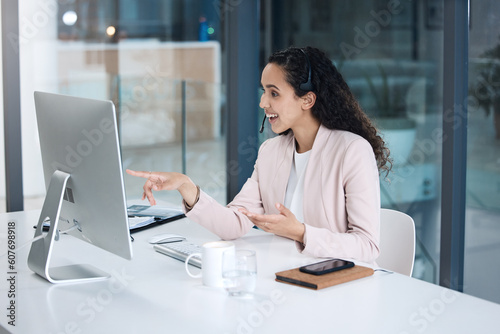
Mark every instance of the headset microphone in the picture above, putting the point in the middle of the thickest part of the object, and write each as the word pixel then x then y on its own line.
pixel 262 126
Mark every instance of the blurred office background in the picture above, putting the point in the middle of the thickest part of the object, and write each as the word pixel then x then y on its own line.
pixel 166 64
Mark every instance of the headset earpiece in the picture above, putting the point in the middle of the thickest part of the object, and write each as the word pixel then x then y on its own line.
pixel 307 86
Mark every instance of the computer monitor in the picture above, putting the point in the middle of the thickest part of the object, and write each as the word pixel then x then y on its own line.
pixel 84 180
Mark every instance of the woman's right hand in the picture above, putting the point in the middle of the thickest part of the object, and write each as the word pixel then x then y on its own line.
pixel 166 181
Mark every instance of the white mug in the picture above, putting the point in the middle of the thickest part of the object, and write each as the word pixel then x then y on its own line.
pixel 211 262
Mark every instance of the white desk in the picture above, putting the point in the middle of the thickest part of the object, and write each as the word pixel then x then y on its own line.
pixel 153 294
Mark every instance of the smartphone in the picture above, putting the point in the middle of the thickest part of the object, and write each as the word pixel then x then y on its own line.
pixel 327 266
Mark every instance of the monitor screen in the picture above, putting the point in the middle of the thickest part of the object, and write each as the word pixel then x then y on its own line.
pixel 84 179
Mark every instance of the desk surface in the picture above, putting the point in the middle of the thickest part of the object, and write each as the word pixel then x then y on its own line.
pixel 153 294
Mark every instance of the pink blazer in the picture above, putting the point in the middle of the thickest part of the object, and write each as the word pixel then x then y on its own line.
pixel 341 196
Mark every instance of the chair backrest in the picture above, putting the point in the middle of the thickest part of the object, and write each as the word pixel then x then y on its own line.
pixel 397 242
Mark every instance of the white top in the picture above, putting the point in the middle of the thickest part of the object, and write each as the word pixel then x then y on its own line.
pixel 294 197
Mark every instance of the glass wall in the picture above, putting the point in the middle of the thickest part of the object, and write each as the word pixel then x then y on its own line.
pixel 390 53
pixel 159 61
pixel 482 229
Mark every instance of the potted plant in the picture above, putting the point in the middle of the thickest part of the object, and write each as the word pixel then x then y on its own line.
pixel 390 113
pixel 486 86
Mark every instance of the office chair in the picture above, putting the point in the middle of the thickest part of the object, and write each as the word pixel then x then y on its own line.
pixel 397 242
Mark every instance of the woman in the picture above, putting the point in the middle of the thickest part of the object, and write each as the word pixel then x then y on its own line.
pixel 317 183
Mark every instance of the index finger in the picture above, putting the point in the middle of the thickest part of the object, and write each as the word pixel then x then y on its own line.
pixel 143 174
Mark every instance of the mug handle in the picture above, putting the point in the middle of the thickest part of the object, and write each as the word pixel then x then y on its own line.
pixel 186 264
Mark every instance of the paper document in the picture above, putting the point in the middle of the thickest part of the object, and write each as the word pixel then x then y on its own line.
pixel 136 222
pixel 159 212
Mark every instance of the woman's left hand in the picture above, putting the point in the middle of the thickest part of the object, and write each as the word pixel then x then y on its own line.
pixel 283 224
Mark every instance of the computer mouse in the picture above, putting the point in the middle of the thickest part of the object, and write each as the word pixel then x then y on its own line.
pixel 165 238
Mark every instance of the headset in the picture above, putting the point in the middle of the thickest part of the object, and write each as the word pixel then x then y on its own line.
pixel 305 86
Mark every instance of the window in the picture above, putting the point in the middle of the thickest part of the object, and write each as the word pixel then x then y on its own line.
pixel 159 61
pixel 482 225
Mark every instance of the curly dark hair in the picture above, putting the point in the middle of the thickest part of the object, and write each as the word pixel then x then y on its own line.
pixel 335 107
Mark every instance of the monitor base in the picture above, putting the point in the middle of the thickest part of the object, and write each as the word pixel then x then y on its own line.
pixel 76 273
pixel 41 249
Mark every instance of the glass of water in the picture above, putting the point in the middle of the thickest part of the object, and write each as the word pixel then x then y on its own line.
pixel 239 272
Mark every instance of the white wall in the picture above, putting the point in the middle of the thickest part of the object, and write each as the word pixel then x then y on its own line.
pixel 38 66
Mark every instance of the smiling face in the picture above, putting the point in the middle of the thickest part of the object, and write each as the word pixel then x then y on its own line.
pixel 284 109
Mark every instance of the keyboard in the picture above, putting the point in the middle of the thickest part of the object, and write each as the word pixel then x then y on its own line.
pixel 180 251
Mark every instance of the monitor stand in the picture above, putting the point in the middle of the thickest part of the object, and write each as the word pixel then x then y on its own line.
pixel 41 249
